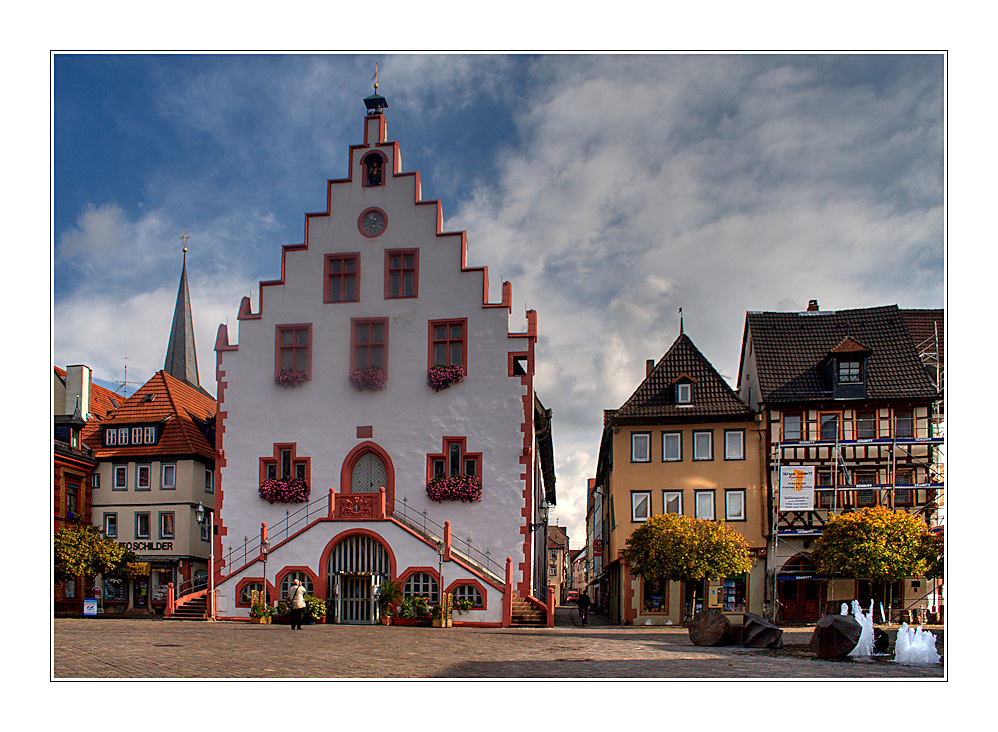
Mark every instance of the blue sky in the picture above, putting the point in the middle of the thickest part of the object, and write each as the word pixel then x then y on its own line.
pixel 611 190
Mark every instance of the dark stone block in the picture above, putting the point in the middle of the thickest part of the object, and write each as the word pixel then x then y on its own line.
pixel 757 632
pixel 881 641
pixel 711 628
pixel 835 636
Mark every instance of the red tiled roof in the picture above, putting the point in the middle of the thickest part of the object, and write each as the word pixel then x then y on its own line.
pixel 102 400
pixel 176 404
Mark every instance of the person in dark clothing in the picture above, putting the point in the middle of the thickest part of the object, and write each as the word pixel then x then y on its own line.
pixel 583 607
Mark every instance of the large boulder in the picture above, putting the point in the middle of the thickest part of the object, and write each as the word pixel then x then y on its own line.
pixel 757 632
pixel 711 628
pixel 835 636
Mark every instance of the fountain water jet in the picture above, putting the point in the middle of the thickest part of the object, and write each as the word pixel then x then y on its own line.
pixel 915 646
pixel 864 646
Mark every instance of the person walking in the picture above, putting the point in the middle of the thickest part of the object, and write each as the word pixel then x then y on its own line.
pixel 583 604
pixel 297 601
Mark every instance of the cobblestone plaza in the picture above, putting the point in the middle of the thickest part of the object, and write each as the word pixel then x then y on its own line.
pixel 92 648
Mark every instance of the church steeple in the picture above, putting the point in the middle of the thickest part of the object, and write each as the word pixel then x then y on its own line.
pixel 181 357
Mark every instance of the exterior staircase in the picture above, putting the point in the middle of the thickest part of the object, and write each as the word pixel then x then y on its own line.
pixel 196 609
pixel 527 615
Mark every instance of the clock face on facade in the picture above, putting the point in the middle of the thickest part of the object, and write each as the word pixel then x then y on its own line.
pixel 372 222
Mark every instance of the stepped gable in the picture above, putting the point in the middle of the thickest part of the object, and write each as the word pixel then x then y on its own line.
pixel 186 412
pixel 790 347
pixel 655 397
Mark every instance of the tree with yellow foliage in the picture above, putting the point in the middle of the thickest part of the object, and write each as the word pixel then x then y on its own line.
pixel 875 543
pixel 675 547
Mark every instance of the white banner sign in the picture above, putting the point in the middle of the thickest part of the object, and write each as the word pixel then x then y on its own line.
pixel 797 488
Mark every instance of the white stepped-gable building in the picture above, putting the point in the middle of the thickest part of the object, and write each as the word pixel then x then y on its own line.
pixel 328 385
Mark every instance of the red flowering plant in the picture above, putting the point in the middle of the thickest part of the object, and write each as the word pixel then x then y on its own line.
pixel 454 488
pixel 292 490
pixel 441 376
pixel 290 377
pixel 372 378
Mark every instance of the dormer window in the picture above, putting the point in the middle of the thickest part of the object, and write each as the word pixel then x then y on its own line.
pixel 850 372
pixel 684 393
pixel 374 166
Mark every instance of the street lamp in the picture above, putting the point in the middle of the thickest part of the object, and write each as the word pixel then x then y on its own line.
pixel 440 572
pixel 543 512
pixel 199 515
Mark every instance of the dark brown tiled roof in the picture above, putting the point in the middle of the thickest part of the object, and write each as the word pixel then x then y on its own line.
pixel 655 397
pixel 789 349
pixel 176 404
pixel 925 326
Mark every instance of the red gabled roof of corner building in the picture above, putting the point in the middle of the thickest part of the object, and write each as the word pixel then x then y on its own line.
pixel 102 400
pixel 176 404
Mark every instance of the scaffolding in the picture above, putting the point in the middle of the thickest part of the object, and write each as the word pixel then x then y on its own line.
pixel 847 471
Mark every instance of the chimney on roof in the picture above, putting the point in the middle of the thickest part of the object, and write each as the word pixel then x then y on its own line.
pixel 812 306
pixel 78 387
pixel 649 367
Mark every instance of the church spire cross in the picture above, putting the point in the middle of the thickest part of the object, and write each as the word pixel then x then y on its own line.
pixel 181 355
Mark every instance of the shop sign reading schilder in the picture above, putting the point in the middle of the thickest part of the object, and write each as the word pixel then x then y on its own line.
pixel 148 546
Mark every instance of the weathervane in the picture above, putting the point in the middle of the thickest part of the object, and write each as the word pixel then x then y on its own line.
pixel 680 321
pixel 185 239
pixel 375 78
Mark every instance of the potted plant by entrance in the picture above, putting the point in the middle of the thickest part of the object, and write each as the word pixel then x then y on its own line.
pixel 391 593
pixel 261 613
pixel 405 615
pixel 315 610
pixel 421 609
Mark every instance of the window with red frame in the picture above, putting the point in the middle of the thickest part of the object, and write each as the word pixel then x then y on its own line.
pixel 342 278
pixel 448 342
pixel 401 276
pixel 370 344
pixel 285 464
pixel 455 461
pixel 294 348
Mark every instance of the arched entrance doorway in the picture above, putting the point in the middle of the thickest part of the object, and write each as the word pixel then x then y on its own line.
pixel 369 473
pixel 801 594
pixel 355 570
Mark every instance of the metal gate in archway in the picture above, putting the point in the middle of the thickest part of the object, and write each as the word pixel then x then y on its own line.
pixel 356 568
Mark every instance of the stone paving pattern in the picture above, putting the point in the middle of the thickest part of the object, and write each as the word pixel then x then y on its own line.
pixel 103 648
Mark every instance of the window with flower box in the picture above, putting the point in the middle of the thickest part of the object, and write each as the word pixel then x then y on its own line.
pixel 454 473
pixel 369 343
pixel 293 349
pixel 342 278
pixel 401 273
